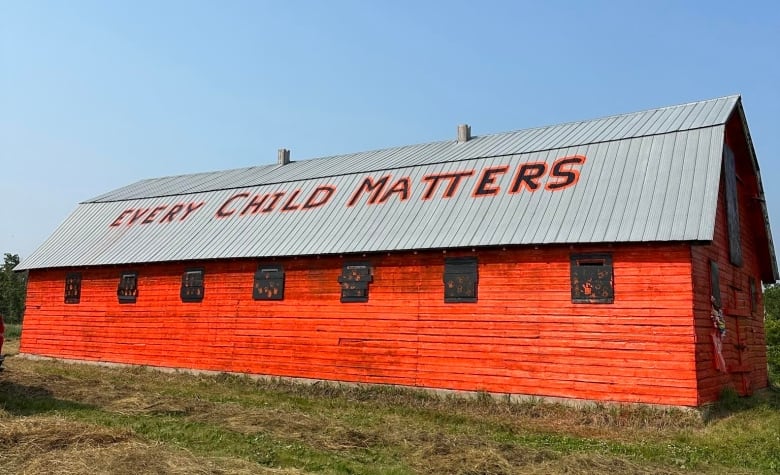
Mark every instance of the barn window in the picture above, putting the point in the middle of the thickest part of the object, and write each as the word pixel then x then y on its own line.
pixel 715 284
pixel 753 295
pixel 127 292
pixel 354 280
pixel 72 287
pixel 460 279
pixel 269 283
pixel 592 278
pixel 192 285
pixel 732 207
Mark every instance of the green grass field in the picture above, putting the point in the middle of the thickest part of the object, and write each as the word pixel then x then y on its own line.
pixel 72 418
pixel 13 331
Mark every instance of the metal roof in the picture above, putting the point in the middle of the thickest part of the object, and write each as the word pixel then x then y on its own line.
pixel 639 124
pixel 646 176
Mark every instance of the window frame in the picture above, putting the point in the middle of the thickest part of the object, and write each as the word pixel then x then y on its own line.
pixel 73 288
pixel 753 294
pixel 272 275
pixel 454 267
pixel 586 266
pixel 127 293
pixel 185 293
pixel 351 281
pixel 731 196
pixel 715 284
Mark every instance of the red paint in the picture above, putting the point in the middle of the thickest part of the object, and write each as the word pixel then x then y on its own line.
pixel 274 201
pixel 320 196
pixel 486 184
pixel 523 336
pixel 744 326
pixel 368 185
pixel 168 218
pixel 118 220
pixel 291 205
pixel 528 176
pixel 191 208
pixel 139 213
pixel 153 215
pixel 565 172
pixel 255 205
pixel 454 179
pixel 225 210
pixel 402 187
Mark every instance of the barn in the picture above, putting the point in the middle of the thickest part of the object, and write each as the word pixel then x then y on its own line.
pixel 617 259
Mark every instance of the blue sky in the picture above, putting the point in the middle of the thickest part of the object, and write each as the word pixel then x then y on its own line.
pixel 96 95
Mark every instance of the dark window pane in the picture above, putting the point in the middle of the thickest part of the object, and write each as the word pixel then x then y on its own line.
pixel 753 295
pixel 732 207
pixel 127 292
pixel 192 285
pixel 73 287
pixel 715 284
pixel 460 279
pixel 354 280
pixel 269 283
pixel 592 278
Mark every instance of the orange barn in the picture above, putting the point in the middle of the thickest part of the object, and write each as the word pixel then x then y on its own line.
pixel 618 259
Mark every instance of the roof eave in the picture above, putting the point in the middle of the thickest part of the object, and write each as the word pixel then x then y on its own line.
pixel 772 276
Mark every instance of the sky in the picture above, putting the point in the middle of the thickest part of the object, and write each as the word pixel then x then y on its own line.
pixel 98 95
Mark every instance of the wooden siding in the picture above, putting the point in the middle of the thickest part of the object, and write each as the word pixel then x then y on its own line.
pixel 523 336
pixel 747 367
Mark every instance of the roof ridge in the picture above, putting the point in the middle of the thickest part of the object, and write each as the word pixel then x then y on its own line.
pixel 135 189
pixel 614 116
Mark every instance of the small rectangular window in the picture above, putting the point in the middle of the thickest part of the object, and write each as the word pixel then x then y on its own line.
pixel 715 284
pixel 269 283
pixel 753 295
pixel 354 280
pixel 192 285
pixel 592 278
pixel 460 279
pixel 73 287
pixel 732 207
pixel 127 291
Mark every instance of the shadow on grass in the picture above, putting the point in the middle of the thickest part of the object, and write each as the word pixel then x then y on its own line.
pixel 730 403
pixel 24 400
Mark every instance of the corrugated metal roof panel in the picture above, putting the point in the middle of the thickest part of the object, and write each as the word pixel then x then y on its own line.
pixel 660 185
pixel 653 122
pixel 614 200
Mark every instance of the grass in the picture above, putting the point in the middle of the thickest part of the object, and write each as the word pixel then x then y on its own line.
pixel 773 355
pixel 55 416
pixel 13 331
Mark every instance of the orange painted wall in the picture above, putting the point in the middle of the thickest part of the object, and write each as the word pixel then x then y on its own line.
pixel 745 325
pixel 523 336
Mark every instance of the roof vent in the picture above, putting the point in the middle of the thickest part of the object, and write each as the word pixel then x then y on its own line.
pixel 283 158
pixel 464 133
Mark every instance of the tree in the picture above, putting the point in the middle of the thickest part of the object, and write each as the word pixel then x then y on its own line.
pixel 772 328
pixel 13 286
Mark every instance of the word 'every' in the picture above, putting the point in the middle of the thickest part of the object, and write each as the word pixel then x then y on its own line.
pixel 372 190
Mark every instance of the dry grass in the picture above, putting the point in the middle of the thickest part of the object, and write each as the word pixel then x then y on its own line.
pixel 56 445
pixel 11 347
pixel 72 418
pixel 53 444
